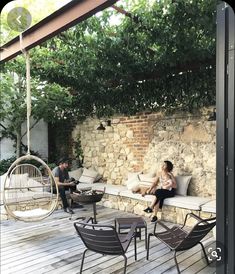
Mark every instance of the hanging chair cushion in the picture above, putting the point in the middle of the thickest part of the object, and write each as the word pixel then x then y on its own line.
pixel 31 213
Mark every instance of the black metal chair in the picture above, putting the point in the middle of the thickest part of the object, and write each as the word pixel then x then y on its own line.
pixel 178 239
pixel 104 239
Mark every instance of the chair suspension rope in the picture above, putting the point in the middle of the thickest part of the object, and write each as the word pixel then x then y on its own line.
pixel 28 90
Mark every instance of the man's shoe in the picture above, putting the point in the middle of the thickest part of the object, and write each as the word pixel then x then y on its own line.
pixel 154 219
pixel 68 210
pixel 148 210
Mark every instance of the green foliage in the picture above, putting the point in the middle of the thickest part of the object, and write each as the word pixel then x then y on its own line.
pixel 162 58
pixel 159 57
pixel 50 101
pixel 5 164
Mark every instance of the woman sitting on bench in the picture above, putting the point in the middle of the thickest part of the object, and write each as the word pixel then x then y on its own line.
pixel 167 189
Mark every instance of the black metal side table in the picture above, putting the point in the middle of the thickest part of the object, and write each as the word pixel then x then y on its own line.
pixel 126 223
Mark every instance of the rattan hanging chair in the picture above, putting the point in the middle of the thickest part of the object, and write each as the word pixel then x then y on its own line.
pixel 27 196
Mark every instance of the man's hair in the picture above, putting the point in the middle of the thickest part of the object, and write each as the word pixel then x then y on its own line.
pixel 63 160
pixel 169 165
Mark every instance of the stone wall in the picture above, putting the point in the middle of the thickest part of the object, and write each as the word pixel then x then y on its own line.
pixel 144 141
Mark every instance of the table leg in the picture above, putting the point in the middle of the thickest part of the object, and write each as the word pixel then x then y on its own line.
pixel 135 247
pixel 94 211
pixel 146 237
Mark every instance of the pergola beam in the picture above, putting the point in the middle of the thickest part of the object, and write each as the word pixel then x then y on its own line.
pixel 64 18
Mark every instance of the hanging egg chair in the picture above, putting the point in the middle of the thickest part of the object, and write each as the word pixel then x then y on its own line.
pixel 27 195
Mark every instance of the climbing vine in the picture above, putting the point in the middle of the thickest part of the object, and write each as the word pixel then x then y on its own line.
pixel 160 56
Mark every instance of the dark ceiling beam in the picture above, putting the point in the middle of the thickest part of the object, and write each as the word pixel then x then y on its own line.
pixel 64 18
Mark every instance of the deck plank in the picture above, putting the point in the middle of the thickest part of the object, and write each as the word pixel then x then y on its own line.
pixel 52 246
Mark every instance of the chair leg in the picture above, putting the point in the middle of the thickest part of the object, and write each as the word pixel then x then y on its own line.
pixel 145 237
pixel 83 257
pixel 140 233
pixel 203 249
pixel 125 263
pixel 148 243
pixel 176 263
pixel 135 247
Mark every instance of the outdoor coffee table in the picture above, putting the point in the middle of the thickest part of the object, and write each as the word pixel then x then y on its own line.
pixel 126 223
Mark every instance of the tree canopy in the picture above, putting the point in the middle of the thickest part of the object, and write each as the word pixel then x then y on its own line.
pixel 160 55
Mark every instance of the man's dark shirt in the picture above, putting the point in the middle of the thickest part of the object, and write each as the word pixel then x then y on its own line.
pixel 62 174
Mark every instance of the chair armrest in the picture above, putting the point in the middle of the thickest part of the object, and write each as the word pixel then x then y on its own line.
pixel 84 221
pixel 191 215
pixel 197 218
pixel 130 233
pixel 161 224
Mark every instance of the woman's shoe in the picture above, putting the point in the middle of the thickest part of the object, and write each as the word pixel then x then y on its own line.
pixel 154 219
pixel 148 210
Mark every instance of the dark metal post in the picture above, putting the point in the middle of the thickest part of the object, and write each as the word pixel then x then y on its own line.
pixel 95 213
pixel 225 136
pixel 231 147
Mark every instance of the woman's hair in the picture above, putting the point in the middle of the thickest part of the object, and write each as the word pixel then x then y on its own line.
pixel 169 166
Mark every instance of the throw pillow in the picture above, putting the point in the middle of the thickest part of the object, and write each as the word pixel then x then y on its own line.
pixel 76 174
pixel 133 180
pixel 88 176
pixel 182 184
pixel 131 175
pixel 146 179
pixel 98 178
pixel 35 186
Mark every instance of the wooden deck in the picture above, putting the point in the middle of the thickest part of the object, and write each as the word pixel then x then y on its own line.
pixel 52 246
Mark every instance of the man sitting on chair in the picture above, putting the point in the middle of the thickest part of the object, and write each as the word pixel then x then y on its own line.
pixel 64 183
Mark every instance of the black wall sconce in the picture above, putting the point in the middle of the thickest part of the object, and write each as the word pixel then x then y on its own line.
pixel 212 117
pixel 101 127
pixel 103 124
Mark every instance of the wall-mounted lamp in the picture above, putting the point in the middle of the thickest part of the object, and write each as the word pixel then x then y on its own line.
pixel 103 124
pixel 212 117
pixel 101 127
pixel 108 123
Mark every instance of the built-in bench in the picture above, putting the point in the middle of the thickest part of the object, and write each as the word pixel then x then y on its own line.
pixel 175 208
pixel 121 196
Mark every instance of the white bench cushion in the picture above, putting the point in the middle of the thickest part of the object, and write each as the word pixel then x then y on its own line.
pixel 109 189
pixel 136 196
pixel 188 202
pixel 209 207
